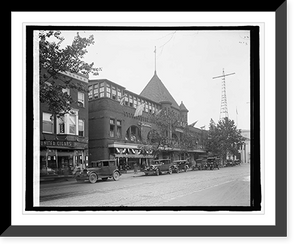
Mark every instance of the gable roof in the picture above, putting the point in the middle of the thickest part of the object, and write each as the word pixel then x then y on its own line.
pixel 156 91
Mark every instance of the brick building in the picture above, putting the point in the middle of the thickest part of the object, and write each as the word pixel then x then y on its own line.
pixel 64 140
pixel 115 132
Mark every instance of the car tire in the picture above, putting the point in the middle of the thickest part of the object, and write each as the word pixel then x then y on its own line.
pixel 157 172
pixel 116 175
pixel 93 178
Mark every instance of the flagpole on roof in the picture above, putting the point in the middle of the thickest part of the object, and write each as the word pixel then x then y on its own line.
pixel 155 59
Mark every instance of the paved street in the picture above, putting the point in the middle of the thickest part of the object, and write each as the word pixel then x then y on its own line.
pixel 225 187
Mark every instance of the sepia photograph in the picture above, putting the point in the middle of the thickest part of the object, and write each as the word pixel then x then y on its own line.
pixel 144 117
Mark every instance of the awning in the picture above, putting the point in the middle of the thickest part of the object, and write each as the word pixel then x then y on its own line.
pixel 122 145
pixel 134 156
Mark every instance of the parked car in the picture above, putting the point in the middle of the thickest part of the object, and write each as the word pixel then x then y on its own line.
pixel 180 165
pixel 213 162
pixel 159 167
pixel 102 169
pixel 201 164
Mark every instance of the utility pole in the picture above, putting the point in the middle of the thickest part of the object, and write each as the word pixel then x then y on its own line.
pixel 223 110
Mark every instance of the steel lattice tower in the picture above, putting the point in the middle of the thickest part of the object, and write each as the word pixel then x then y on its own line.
pixel 223 109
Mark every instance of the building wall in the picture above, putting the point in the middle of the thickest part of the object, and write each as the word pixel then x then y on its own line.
pixel 104 109
pixel 63 152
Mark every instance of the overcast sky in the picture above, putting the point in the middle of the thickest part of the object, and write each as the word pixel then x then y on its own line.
pixel 186 62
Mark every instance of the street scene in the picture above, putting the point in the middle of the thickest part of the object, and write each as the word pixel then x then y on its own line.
pixel 142 118
pixel 228 186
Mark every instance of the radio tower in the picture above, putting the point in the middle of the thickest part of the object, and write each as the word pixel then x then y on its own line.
pixel 223 110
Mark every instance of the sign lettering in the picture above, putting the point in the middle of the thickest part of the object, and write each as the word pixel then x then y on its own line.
pixel 58 143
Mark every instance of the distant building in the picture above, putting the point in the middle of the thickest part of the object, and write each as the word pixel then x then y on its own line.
pixel 114 131
pixel 64 140
pixel 245 149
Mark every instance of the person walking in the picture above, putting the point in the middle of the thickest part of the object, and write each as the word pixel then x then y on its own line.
pixel 135 167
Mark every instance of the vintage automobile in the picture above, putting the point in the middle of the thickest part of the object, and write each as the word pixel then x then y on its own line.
pixel 213 162
pixel 201 164
pixel 180 165
pixel 102 169
pixel 159 167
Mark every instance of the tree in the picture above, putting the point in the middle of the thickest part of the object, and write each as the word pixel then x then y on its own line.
pixel 54 59
pixel 224 138
pixel 161 135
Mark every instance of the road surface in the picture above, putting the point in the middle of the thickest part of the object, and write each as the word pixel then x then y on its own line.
pixel 228 186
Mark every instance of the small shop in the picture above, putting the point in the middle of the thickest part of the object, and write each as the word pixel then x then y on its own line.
pixel 129 156
pixel 62 158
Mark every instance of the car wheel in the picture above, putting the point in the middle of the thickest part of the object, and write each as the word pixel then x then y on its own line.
pixel 157 172
pixel 93 178
pixel 170 171
pixel 116 175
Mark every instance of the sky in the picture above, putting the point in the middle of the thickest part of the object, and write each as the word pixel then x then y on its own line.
pixel 186 62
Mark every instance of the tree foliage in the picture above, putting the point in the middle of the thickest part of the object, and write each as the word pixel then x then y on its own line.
pixel 224 138
pixel 54 59
pixel 163 134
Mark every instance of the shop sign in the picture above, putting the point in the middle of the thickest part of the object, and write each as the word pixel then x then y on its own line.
pixel 58 143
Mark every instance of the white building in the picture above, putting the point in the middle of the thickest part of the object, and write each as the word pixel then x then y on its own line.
pixel 245 151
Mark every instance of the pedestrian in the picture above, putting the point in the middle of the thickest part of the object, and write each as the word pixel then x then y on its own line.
pixel 135 168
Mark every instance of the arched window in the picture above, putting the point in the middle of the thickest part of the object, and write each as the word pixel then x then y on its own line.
pixel 133 134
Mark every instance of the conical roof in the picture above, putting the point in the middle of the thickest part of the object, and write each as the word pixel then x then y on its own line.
pixel 156 91
pixel 182 107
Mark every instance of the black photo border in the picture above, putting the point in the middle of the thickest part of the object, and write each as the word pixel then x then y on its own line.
pixel 280 227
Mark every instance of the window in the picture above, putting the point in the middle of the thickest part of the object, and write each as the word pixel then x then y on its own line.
pixel 138 101
pixel 146 107
pixel 119 129
pixel 90 92
pixel 130 101
pixel 126 99
pixel 48 123
pixel 134 102
pixel 113 92
pixel 102 89
pixel 80 127
pixel 61 125
pixel 66 90
pixel 96 90
pixel 119 94
pixel 107 90
pixel 112 128
pixel 80 99
pixel 68 124
pixel 72 124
